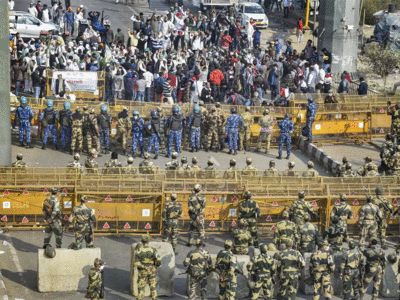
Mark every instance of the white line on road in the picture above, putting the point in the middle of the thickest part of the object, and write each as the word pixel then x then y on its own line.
pixel 14 254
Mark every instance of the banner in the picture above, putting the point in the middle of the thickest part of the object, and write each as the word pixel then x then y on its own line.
pixel 76 81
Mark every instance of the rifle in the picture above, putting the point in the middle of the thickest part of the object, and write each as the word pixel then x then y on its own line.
pixel 362 274
pixel 156 132
pixel 102 293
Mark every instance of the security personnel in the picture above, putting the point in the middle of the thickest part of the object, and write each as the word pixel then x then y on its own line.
pixel 175 125
pixel 85 125
pixel 262 270
pixel 321 267
pixel 342 211
pixel 342 168
pixel 146 166
pixel 290 262
pixel 104 121
pixel 265 123
pixel 24 116
pixel 226 267
pixel 374 269
pixel 309 236
pixel 386 209
pixel 350 271
pixel 300 208
pixel 368 218
pixel 75 166
pixel 272 171
pixel 95 282
pixel 198 264
pixel 129 168
pixel 310 115
pixel 48 119
pixel 368 166
pixel 242 238
pixel 234 123
pixel 250 211
pixel 92 133
pixel 124 125
pixel 210 170
pixel 138 126
pixel 286 127
pixel 174 163
pixel 290 171
pixel 335 235
pixel 245 132
pixel 213 123
pixel 249 170
pixel 394 111
pixel 285 230
pixel 19 164
pixel 230 173
pixel 113 166
pixel 91 164
pixel 197 206
pixel 194 166
pixel 311 172
pixel 63 118
pixel 171 214
pixel 52 217
pixel 349 172
pixel 154 130
pixel 76 122
pixel 83 218
pixel 147 261
pixel 196 120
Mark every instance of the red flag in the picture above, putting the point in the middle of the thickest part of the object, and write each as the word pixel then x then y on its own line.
pixel 106 226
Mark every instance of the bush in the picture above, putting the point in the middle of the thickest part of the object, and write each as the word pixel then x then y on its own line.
pixel 373 6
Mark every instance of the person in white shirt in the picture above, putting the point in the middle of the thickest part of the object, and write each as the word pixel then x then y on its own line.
pixel 11 4
pixel 320 80
pixel 250 32
pixel 45 14
pixel 167 27
pixel 148 76
pixel 32 10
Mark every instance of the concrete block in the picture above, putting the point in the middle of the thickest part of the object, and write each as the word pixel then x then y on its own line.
pixel 305 273
pixel 389 286
pixel 337 284
pixel 165 273
pixel 67 271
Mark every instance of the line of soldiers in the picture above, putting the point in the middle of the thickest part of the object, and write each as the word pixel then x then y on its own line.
pixel 369 169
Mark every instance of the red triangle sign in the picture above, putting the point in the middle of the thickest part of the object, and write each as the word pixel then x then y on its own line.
pixel 65 191
pixel 269 219
pixel 233 223
pixel 6 192
pixel 314 204
pixel 381 131
pixel 381 110
pixel 356 202
pixel 25 220
pixel 275 203
pixel 214 199
pixel 148 226
pixel 212 224
pixel 234 199
pixel 26 192
pixel 337 202
pixel 66 218
pixel 108 198
pixel 275 122
pixel 395 202
pixel 273 228
pixel 45 191
pixel 273 140
pixel 4 219
pixel 129 199
pixel 127 226
pixel 106 226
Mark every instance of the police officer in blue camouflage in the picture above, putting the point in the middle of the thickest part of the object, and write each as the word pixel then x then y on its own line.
pixel 24 116
pixel 154 127
pixel 311 111
pixel 175 125
pixel 48 119
pixel 196 120
pixel 138 126
pixel 65 125
pixel 233 123
pixel 286 126
pixel 104 123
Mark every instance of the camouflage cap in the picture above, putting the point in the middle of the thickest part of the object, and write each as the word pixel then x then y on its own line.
pixel 174 154
pixel 291 164
pixel 232 162
pixel 367 158
pixel 352 244
pixel 249 160
pixel 145 238
pixel 247 108
pixel 285 214
pixel 345 160
pixel 263 248
pixel 392 258
pixel 130 159
pixel 343 197
pixel 210 161
pixel 173 196
pixel 228 243
pixel 197 187
pixel 272 163
pixel 146 155
pixel 369 198
pixel 194 160
pixel 302 194
pixel 125 108
pixel 85 107
pixel 247 194
pixel 84 198
pixel 93 152
pixel 310 164
pixel 92 111
pixel 19 156
pixel 54 191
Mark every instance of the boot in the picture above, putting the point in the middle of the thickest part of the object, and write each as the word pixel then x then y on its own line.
pixel 156 156
pixel 21 144
pixel 235 153
pixel 125 152
pixel 107 151
pixel 221 147
pixel 230 151
pixel 133 154
pixel 44 147
pixel 207 150
pixel 279 157
pixel 71 152
pixel 197 149
pixel 216 149
pixel 288 156
pixel 210 148
pixel 189 244
pixel 192 150
pixel 266 151
pixel 63 149
pixel 55 147
pixel 29 146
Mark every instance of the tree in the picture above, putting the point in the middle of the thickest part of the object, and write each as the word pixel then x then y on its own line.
pixel 382 60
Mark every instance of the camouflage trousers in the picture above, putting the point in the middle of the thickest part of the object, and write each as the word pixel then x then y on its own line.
pixel 76 136
pixel 171 230
pixel 252 228
pixel 263 136
pixel 244 134
pixel 227 287
pixel 212 138
pixel 197 225
pixel 83 232
pixel 94 294
pixel 368 229
pixel 241 250
pixel 55 227
pixel 351 281
pixel 382 231
pixel 264 282
pixel 288 285
pixel 146 275
pixel 194 282
pixel 90 138
pixel 122 133
pixel 322 279
pixel 375 275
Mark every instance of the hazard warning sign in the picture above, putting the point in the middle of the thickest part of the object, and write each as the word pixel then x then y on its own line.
pixel 66 217
pixel 64 191
pixel 314 204
pixel 127 226
pixel 214 199
pixel 129 199
pixel 106 226
pixel 212 224
pixel 45 191
pixel 273 228
pixel 6 192
pixel 395 202
pixel 234 199
pixel 25 220
pixel 381 131
pixel 273 140
pixel 233 223
pixel 108 199
pixel 269 219
pixel 275 203
pixel 337 202
pixel 356 202
pixel 148 226
pixel 4 219
pixel 26 192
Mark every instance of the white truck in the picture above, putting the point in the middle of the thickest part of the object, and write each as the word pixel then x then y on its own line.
pixel 218 4
pixel 250 10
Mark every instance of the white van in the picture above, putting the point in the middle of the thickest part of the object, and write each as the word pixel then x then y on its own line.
pixel 250 10
pixel 29 26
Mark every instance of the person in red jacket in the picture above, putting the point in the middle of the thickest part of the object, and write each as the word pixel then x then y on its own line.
pixel 226 41
pixel 216 77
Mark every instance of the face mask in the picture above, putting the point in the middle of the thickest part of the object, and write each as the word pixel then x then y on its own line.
pixel 330 95
pixel 136 117
pixel 101 268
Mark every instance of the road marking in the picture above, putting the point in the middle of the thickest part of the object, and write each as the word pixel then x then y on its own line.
pixel 3 286
pixel 14 255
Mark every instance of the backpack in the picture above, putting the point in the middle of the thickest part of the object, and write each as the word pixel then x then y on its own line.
pixel 159 86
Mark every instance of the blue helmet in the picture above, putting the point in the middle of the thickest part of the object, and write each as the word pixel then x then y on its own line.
pixel 49 103
pixel 154 113
pixel 67 105
pixel 196 109
pixel 233 110
pixel 176 110
pixel 103 107
pixel 10 37
pixel 310 99
pixel 23 100
pixel 135 112
pixel 286 116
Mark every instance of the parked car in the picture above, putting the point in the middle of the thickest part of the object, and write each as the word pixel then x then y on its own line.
pixel 250 10
pixel 29 26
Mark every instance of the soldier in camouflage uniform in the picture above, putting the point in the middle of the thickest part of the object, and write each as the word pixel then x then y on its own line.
pixel 342 211
pixel 290 263
pixel 290 171
pixel 321 267
pixel 124 125
pixel 250 211
pixel 262 271
pixel 335 235
pixel 171 214
pixel 198 264
pixel 386 209
pixel 342 168
pixel 75 166
pixel 300 209
pixel 174 163
pixel 265 123
pixel 395 162
pixel 311 172
pixel 285 230
pixel 249 170
pixel 368 216
pixel 91 164
pixel 371 171
pixel 195 167
pixel 386 155
pixel 366 169
pixel 129 169
pixel 197 206
pixel 210 171
pixel 230 173
pixel 147 261
pixel 146 166
pixel 95 281
pixel 245 132
pixel 349 172
pixel 374 269
pixel 52 217
pixel 113 166
pixel 20 165
pixel 350 271
pixel 226 267
pixel 76 122
pixel 92 134
pixel 241 238
pixel 309 237
pixel 82 218
pixel 213 122
pixel 272 171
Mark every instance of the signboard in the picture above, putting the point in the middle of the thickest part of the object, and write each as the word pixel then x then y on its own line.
pixel 76 81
